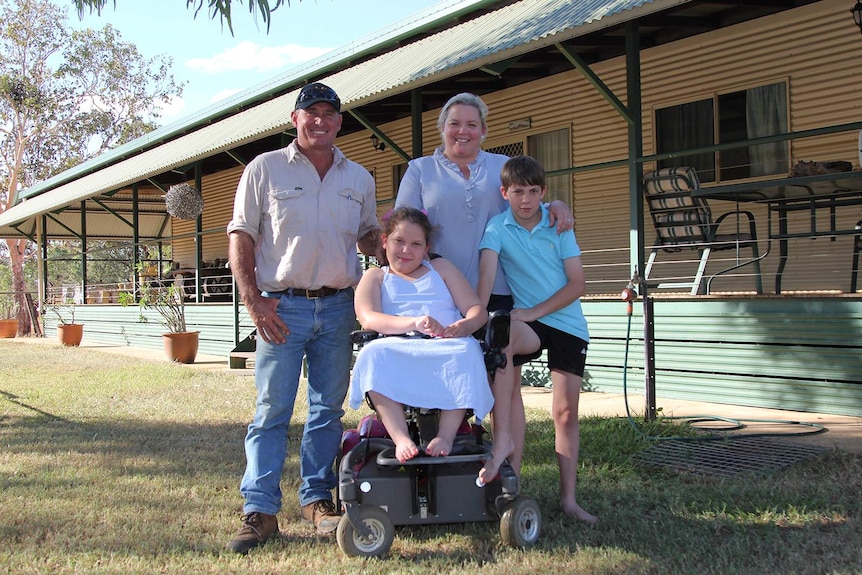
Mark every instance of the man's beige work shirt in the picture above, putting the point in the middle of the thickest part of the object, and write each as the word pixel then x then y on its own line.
pixel 305 230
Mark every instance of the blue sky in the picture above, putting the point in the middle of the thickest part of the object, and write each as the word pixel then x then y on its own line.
pixel 216 65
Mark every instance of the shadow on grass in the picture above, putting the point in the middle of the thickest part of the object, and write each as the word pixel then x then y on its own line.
pixel 124 486
pixel 152 488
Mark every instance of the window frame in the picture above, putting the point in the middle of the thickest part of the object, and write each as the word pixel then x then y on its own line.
pixel 716 125
pixel 523 139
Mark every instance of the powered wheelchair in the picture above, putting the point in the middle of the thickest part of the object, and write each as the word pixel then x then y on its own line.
pixel 377 492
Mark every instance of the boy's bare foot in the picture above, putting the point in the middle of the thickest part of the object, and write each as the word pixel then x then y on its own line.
pixel 438 447
pixel 572 509
pixel 501 451
pixel 405 450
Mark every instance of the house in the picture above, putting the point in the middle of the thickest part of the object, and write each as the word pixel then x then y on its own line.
pixel 563 80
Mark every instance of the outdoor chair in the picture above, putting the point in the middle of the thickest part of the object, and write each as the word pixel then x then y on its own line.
pixel 683 222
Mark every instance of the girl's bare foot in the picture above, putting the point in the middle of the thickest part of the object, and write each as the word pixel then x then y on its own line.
pixel 438 447
pixel 572 509
pixel 405 450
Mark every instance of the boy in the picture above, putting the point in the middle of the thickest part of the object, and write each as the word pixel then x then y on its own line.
pixel 546 277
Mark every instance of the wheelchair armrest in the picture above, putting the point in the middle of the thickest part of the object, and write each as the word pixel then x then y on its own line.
pixel 363 336
pixel 497 332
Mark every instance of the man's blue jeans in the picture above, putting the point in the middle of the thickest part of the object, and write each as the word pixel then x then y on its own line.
pixel 320 331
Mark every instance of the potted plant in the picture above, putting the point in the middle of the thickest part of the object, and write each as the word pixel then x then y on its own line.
pixel 8 315
pixel 181 345
pixel 68 332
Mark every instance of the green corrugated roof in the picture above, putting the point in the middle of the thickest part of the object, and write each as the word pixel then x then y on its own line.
pixel 513 29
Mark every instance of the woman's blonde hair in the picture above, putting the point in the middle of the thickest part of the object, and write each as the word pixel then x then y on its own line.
pixel 465 99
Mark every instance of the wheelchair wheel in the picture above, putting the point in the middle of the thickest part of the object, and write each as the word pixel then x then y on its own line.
pixel 382 529
pixel 521 523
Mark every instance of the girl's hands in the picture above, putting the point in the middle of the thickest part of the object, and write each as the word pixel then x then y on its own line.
pixel 458 329
pixel 429 326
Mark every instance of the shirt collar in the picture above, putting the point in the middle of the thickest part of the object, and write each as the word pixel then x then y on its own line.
pixel 438 154
pixel 292 151
pixel 509 218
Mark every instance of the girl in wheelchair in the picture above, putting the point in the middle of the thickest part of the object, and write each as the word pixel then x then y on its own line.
pixel 436 364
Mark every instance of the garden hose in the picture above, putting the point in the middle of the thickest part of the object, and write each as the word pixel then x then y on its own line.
pixel 629 295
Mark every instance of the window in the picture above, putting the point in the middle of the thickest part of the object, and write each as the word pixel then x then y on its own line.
pixel 513 149
pixel 553 150
pixel 398 171
pixel 737 117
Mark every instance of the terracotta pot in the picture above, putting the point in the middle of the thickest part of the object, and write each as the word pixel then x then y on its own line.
pixel 70 334
pixel 8 327
pixel 181 347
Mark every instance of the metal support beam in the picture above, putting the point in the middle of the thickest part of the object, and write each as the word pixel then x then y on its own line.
pixel 392 145
pixel 43 258
pixel 199 248
pixel 416 122
pixel 593 79
pixel 62 225
pixel 112 211
pixel 236 157
pixel 84 250
pixel 136 249
pixel 636 206
pixel 157 185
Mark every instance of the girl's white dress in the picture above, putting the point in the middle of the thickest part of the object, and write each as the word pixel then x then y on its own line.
pixel 443 373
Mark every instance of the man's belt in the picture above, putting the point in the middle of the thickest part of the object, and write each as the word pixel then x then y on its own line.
pixel 310 293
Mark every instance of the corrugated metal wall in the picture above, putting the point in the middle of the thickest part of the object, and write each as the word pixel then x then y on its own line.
pixel 218 191
pixel 813 47
pixel 796 354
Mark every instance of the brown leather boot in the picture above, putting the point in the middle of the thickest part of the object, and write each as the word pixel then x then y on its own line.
pixel 257 528
pixel 322 514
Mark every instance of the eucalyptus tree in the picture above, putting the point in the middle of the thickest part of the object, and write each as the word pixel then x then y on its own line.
pixel 220 8
pixel 66 96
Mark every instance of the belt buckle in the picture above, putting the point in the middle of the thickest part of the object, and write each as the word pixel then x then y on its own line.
pixel 312 294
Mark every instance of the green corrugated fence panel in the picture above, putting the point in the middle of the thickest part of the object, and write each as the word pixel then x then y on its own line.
pixel 118 325
pixel 783 352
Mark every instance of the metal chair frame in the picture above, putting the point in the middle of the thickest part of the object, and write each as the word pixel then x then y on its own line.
pixel 683 222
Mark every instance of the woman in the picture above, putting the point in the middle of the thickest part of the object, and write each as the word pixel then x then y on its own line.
pixel 458 186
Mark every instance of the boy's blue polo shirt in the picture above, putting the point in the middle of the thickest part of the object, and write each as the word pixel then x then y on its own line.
pixel 533 263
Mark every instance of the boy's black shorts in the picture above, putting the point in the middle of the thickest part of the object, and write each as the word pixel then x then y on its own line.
pixel 566 352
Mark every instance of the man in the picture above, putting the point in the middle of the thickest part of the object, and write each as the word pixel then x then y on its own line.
pixel 299 214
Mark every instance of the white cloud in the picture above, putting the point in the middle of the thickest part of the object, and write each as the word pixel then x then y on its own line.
pixel 251 56
pixel 172 110
pixel 223 94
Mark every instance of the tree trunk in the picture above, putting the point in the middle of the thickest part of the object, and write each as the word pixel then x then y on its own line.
pixel 16 259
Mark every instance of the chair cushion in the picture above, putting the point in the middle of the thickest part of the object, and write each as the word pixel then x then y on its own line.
pixel 678 217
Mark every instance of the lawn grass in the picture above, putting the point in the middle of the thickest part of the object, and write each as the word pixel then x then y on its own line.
pixel 110 464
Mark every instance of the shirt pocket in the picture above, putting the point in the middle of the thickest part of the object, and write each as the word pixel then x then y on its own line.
pixel 286 211
pixel 349 211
